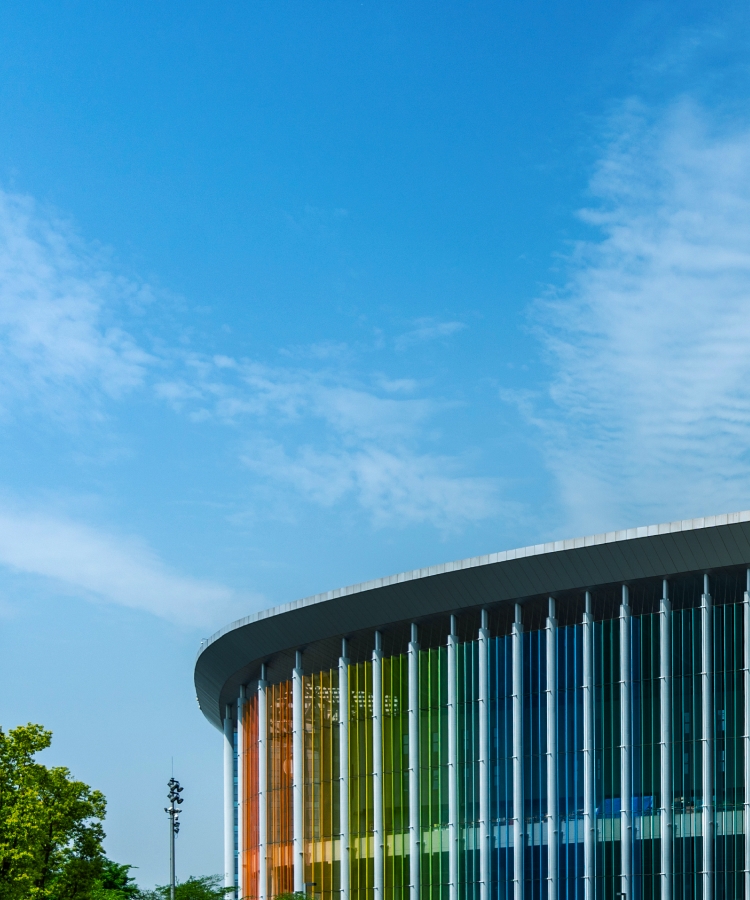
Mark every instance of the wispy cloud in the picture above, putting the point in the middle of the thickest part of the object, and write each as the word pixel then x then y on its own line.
pixel 319 426
pixel 650 401
pixel 112 570
pixel 332 439
pixel 396 488
pixel 61 345
pixel 427 330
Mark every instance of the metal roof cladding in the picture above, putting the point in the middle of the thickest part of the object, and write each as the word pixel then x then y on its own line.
pixel 234 654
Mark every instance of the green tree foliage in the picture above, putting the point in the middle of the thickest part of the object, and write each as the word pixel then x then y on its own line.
pixel 207 888
pixel 50 825
pixel 115 883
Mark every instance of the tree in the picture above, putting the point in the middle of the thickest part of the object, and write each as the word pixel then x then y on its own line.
pixel 50 825
pixel 209 887
pixel 115 883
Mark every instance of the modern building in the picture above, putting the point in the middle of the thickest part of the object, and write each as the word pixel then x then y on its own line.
pixel 569 720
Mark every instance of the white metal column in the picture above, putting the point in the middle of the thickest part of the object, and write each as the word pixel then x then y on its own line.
pixel 519 823
pixel 228 798
pixel 665 739
pixel 452 762
pixel 344 769
pixel 626 751
pixel 241 790
pixel 377 768
pixel 262 785
pixel 552 799
pixel 297 776
pixel 415 836
pixel 589 825
pixel 707 727
pixel 746 673
pixel 484 758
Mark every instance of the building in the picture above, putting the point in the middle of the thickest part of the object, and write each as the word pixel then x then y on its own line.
pixel 563 721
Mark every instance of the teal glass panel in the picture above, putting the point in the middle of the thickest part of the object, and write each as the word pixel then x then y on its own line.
pixel 570 760
pixel 501 766
pixel 468 770
pixel 607 771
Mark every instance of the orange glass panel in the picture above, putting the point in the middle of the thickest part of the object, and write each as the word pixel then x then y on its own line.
pixel 250 859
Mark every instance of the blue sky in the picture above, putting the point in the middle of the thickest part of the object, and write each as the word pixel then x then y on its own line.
pixel 298 295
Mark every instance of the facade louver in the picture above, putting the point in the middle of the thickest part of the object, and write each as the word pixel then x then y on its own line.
pixel 587 740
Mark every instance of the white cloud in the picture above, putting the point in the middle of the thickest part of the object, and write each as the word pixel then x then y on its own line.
pixel 64 350
pixel 650 340
pixel 60 343
pixel 111 570
pixel 397 488
pixel 427 330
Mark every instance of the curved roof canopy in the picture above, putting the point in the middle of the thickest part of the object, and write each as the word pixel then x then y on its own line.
pixel 233 656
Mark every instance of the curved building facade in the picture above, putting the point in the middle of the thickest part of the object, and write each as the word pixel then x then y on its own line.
pixel 570 720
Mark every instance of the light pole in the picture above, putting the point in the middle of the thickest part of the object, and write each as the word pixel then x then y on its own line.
pixel 175 789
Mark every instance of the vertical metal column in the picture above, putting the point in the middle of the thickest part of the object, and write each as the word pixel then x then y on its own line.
pixel 262 785
pixel 343 769
pixel 626 750
pixel 452 763
pixel 377 769
pixel 415 835
pixel 746 741
pixel 519 822
pixel 665 739
pixel 552 798
pixel 241 790
pixel 298 858
pixel 589 824
pixel 484 758
pixel 228 798
pixel 707 727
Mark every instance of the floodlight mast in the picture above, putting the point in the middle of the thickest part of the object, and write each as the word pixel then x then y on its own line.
pixel 175 789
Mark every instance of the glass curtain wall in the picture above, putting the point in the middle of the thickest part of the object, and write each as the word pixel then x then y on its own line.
pixel 570 760
pixel 321 784
pixel 646 732
pixel 396 777
pixel 729 775
pixel 535 764
pixel 433 774
pixel 361 843
pixel 467 667
pixel 279 852
pixel 501 766
pixel 607 772
pixel 321 840
pixel 250 858
pixel 687 759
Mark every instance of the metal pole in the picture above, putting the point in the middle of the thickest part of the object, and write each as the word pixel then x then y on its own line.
pixel 173 812
pixel 241 790
pixel 519 822
pixel 626 751
pixel 344 768
pixel 415 836
pixel 262 784
pixel 228 798
pixel 484 761
pixel 707 690
pixel 552 801
pixel 171 857
pixel 377 768
pixel 589 824
pixel 297 776
pixel 452 763
pixel 665 699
